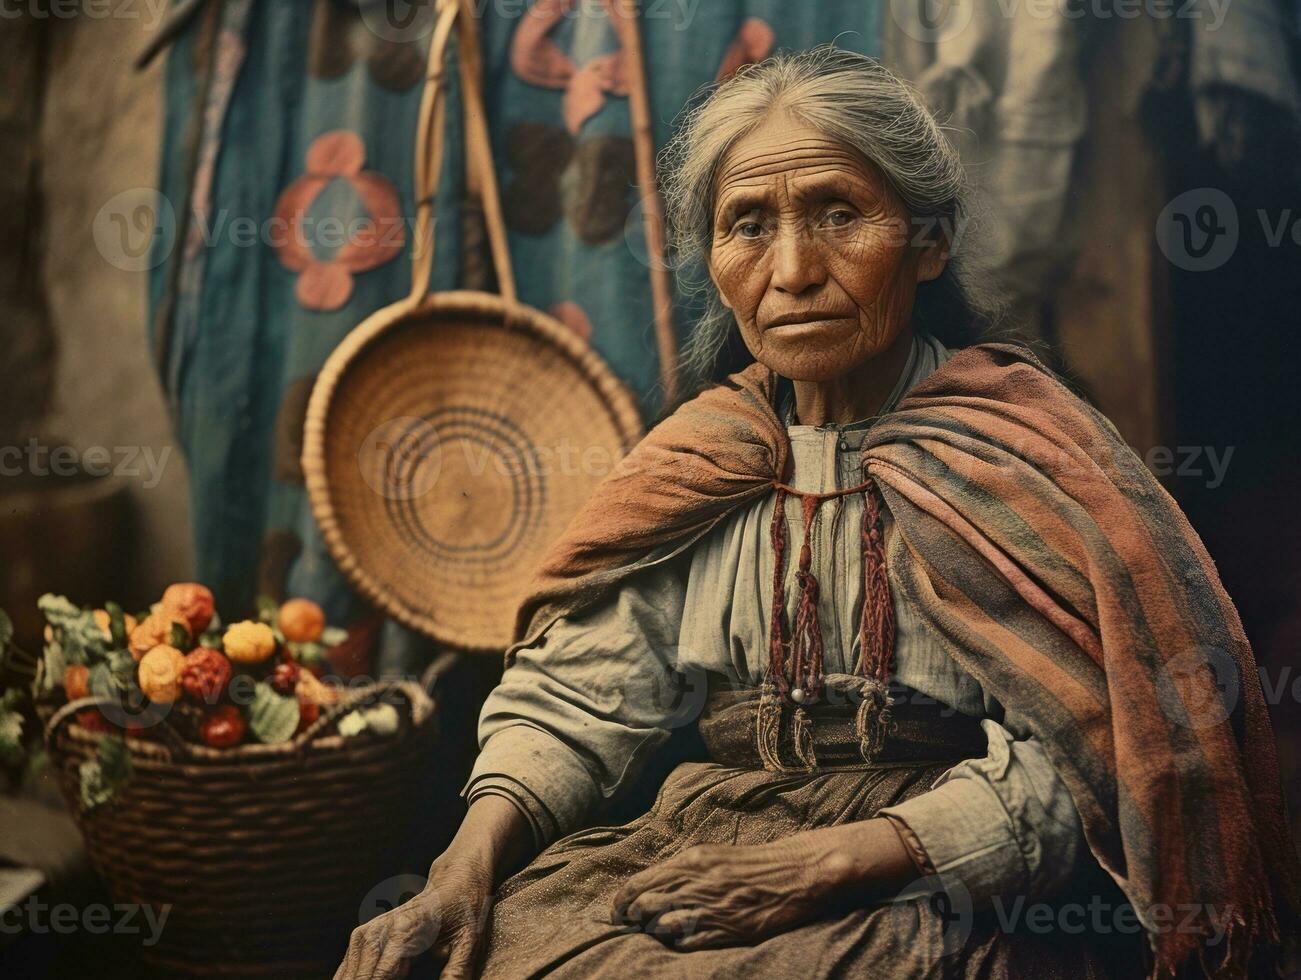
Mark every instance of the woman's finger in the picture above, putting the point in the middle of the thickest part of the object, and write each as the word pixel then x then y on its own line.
pixel 347 969
pixel 392 962
pixel 460 964
pixel 648 905
pixel 369 947
pixel 675 924
pixel 652 879
pixel 704 939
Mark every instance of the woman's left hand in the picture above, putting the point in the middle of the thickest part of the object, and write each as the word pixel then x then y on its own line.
pixel 729 895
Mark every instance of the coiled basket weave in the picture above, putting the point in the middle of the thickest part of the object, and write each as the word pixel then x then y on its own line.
pixel 265 853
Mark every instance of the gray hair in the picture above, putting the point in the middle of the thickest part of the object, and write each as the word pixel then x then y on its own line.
pixel 858 101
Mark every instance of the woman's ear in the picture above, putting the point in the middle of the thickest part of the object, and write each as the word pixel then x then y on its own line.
pixel 934 253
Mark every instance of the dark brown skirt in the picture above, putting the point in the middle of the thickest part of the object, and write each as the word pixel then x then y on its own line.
pixel 554 917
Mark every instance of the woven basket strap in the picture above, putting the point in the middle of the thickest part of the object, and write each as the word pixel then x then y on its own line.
pixel 430 147
pixel 429 150
pixel 625 17
pixel 478 148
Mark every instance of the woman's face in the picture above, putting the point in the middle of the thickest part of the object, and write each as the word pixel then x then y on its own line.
pixel 812 251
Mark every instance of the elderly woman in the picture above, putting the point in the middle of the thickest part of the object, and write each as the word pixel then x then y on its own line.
pixel 948 652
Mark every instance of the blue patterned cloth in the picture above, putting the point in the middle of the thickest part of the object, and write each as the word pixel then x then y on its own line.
pixel 308 108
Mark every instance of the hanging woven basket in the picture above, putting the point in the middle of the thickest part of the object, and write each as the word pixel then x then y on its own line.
pixel 452 436
pixel 448 447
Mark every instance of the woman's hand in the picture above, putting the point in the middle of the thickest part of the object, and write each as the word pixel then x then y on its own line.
pixel 450 916
pixel 446 918
pixel 725 895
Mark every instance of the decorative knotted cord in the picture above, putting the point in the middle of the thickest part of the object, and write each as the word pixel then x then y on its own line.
pixel 795 674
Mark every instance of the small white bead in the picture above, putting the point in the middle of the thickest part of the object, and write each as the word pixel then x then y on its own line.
pixel 797 695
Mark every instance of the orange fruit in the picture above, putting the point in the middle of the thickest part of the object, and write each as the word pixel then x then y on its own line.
pixel 301 621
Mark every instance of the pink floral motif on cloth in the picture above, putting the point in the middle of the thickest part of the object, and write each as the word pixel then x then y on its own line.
pixel 753 42
pixel 574 317
pixel 538 60
pixel 326 263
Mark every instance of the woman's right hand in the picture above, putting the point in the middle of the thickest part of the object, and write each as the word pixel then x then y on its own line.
pixel 447 918
pixel 450 916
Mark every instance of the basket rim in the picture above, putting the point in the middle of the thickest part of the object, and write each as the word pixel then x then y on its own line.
pixel 421 711
pixel 619 401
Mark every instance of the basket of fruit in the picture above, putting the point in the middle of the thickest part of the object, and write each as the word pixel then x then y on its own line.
pixel 218 778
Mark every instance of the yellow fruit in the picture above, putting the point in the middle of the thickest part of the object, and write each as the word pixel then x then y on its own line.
pixel 154 630
pixel 160 674
pixel 301 621
pixel 103 622
pixel 249 642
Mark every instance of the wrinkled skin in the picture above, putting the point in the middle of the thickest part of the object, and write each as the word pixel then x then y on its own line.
pixel 447 920
pixel 814 254
pixel 817 258
pixel 719 895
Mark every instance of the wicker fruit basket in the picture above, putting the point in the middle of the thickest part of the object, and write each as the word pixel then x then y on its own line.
pixel 263 852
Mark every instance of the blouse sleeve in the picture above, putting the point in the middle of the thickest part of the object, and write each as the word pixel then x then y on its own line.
pixel 1001 825
pixel 578 712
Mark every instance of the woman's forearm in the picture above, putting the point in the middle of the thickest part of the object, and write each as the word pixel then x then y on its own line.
pixel 864 861
pixel 495 834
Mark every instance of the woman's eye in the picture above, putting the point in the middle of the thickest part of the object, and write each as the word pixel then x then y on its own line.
pixel 839 217
pixel 749 229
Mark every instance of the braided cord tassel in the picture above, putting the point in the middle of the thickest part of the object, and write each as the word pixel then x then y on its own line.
pixel 876 632
pixel 768 719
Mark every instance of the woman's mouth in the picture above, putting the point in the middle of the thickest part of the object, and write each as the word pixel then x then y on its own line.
pixel 792 324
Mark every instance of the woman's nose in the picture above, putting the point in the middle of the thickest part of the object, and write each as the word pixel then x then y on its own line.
pixel 797 262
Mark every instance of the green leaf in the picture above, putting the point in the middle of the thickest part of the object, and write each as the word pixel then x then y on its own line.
pixel 116 624
pixel 180 638
pixel 12 752
pixel 82 640
pixel 307 653
pixel 267 609
pixel 271 717
pixel 104 776
pixel 53 664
